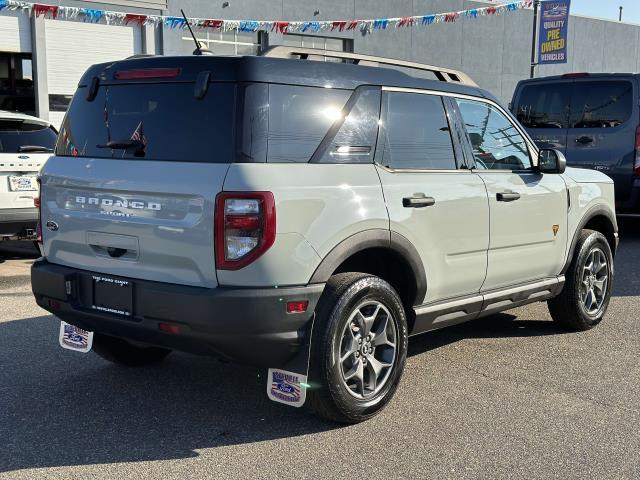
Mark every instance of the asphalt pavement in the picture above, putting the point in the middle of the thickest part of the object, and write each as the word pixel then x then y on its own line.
pixel 508 396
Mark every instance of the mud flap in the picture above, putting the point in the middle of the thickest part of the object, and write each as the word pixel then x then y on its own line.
pixel 288 384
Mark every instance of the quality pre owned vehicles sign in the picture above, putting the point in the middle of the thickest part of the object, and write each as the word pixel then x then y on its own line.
pixel 554 31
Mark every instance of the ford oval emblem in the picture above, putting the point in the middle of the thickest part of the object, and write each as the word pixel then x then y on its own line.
pixel 53 226
pixel 23 157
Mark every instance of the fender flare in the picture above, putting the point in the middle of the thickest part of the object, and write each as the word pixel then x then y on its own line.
pixel 593 212
pixel 374 238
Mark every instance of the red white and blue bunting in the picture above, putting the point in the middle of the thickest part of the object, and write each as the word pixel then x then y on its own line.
pixel 91 15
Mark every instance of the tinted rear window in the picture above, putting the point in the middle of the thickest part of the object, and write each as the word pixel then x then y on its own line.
pixel 25 136
pixel 153 121
pixel 580 104
pixel 544 106
pixel 600 104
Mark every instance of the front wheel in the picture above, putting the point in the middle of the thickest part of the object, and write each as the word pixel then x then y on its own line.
pixel 359 348
pixel 589 280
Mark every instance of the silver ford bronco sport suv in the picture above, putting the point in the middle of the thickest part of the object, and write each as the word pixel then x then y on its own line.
pixel 307 217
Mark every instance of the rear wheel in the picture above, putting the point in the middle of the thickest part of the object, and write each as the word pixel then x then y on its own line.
pixel 589 281
pixel 359 348
pixel 121 352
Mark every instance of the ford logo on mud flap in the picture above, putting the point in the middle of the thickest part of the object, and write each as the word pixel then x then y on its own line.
pixel 284 387
pixel 51 225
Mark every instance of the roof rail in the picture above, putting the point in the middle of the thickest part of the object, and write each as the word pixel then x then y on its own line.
pixel 442 74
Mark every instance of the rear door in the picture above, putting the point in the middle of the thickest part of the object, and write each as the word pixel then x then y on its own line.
pixel 543 109
pixel 602 128
pixel 133 184
pixel 439 207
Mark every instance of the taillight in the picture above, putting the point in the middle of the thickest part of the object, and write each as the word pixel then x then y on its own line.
pixel 245 227
pixel 36 203
pixel 636 163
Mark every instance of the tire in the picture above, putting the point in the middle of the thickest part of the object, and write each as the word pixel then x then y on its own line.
pixel 121 352
pixel 364 302
pixel 569 309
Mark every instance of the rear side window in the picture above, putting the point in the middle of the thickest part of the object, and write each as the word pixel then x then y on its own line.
pixel 299 118
pixel 354 139
pixel 24 136
pixel 415 133
pixel 601 104
pixel 151 122
pixel 544 106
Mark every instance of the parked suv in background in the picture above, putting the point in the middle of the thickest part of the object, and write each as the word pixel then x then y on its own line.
pixel 25 144
pixel 307 217
pixel 594 119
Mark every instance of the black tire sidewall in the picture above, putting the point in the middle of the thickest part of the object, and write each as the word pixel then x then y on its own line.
pixel 369 288
pixel 595 239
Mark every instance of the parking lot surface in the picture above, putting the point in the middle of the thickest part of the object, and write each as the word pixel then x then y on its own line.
pixel 508 396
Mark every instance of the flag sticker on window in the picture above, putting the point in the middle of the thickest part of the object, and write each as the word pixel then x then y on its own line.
pixel 286 387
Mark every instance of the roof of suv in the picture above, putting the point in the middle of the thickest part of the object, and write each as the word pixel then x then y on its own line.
pixel 5 115
pixel 277 70
pixel 577 76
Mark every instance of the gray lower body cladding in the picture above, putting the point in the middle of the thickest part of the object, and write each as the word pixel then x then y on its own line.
pixel 247 325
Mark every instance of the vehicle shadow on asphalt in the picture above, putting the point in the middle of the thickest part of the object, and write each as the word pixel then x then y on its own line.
pixel 61 408
pixel 501 325
pixel 627 261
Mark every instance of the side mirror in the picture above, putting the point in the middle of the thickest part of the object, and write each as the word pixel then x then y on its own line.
pixel 551 160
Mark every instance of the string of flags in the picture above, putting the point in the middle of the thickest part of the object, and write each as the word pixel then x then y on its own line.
pixel 91 15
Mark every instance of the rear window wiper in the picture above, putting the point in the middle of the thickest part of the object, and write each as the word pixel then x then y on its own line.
pixel 34 148
pixel 136 145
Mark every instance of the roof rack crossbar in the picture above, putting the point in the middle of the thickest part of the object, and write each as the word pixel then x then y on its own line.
pixel 442 74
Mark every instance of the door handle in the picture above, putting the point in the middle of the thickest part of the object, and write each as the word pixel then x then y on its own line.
pixel 584 140
pixel 507 196
pixel 418 201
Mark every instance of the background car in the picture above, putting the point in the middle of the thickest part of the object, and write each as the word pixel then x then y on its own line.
pixel 25 144
pixel 594 119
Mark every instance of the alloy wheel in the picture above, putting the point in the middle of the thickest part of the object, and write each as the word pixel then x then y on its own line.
pixel 368 349
pixel 595 281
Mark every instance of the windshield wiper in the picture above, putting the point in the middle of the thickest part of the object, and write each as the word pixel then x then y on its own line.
pixel 136 145
pixel 34 148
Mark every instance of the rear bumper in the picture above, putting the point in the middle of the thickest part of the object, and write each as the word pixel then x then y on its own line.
pixel 244 325
pixel 20 222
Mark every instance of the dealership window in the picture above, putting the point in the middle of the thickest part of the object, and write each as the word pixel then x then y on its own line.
pixel 226 43
pixel 324 43
pixel 16 83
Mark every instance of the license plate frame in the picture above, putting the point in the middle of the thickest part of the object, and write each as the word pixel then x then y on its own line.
pixel 22 183
pixel 112 295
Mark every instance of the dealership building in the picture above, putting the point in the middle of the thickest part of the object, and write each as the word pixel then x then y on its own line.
pixel 42 58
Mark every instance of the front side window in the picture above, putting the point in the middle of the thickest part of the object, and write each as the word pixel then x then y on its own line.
pixel 415 133
pixel 497 144
pixel 603 104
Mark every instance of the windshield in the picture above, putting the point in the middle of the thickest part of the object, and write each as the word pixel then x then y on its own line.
pixel 19 135
pixel 151 122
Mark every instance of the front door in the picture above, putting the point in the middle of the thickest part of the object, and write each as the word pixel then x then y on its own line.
pixel 528 209
pixel 441 209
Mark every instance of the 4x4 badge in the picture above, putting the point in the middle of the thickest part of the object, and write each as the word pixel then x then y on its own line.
pixel 555 229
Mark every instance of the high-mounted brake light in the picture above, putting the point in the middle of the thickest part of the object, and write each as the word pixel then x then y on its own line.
pixel 146 73
pixel 636 163
pixel 575 75
pixel 245 227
